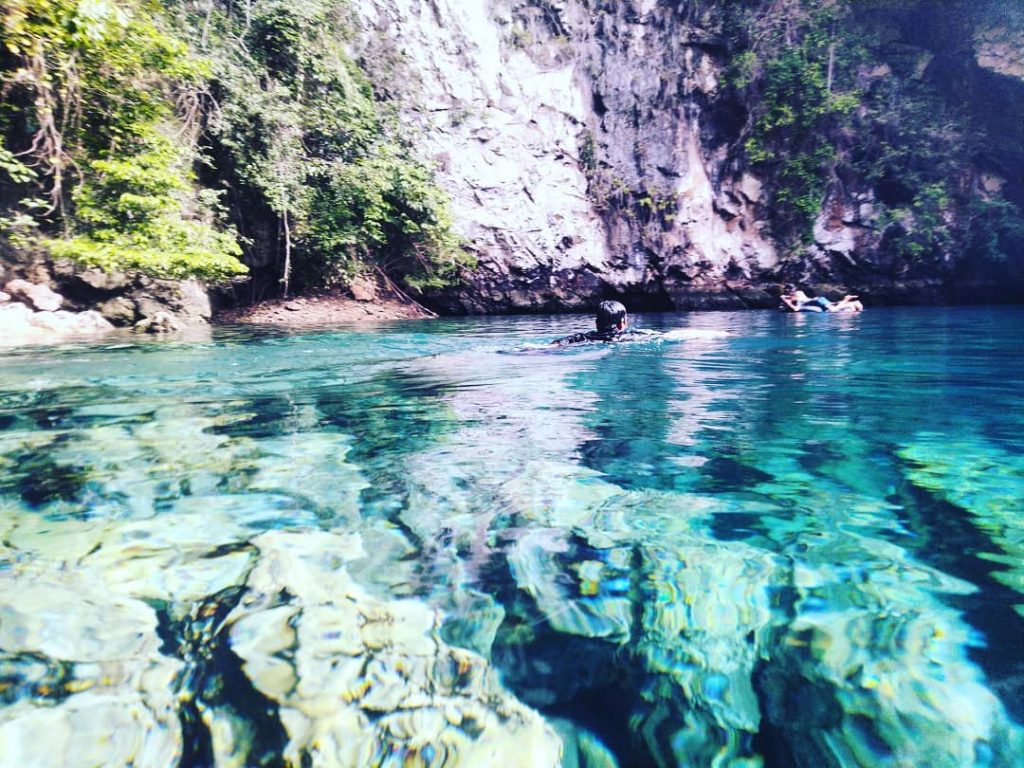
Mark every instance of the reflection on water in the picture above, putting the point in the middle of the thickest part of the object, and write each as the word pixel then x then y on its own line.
pixel 800 544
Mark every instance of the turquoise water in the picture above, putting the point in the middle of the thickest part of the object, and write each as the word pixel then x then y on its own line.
pixel 431 543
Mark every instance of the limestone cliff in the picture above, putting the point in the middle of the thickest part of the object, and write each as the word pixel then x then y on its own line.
pixel 570 140
pixel 591 150
pixel 671 153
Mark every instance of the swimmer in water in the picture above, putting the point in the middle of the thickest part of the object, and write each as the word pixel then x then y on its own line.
pixel 611 323
pixel 795 300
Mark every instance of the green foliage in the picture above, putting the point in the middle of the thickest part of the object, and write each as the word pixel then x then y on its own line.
pixel 794 68
pixel 168 246
pixel 925 231
pixel 994 232
pixel 20 225
pixel 98 80
pixel 293 131
pixel 98 70
pixel 129 211
pixel 303 133
pixel 743 69
pixel 588 152
pixel 907 138
pixel 16 170
pixel 832 97
pixel 383 210
pixel 652 204
pixel 912 146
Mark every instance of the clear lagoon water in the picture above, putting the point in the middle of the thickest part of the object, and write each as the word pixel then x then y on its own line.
pixel 436 543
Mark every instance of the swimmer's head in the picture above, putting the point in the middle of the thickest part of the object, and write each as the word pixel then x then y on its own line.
pixel 610 315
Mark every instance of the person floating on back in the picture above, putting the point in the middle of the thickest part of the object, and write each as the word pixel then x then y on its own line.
pixel 611 323
pixel 795 300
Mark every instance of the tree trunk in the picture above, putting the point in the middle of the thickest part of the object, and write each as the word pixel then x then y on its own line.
pixel 287 255
pixel 831 65
pixel 206 26
pixel 831 59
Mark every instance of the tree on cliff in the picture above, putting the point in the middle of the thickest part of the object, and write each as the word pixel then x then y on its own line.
pixel 90 89
pixel 848 96
pixel 163 138
pixel 300 130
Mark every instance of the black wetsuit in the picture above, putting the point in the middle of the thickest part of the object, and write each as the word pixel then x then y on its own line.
pixel 609 334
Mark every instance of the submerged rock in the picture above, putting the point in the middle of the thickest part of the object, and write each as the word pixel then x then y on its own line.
pixel 91 728
pixel 982 479
pixel 177 456
pixel 707 611
pixel 858 671
pixel 114 703
pixel 586 596
pixel 874 671
pixel 582 748
pixel 360 680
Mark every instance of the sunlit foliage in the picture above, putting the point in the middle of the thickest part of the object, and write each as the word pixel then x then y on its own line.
pixel 300 129
pixel 94 85
pixel 111 106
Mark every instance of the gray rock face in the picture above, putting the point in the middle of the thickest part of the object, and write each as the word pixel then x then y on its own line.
pixel 186 300
pixel 100 281
pixel 119 310
pixel 20 325
pixel 159 322
pixel 504 128
pixel 35 295
pixel 96 300
pixel 590 151
pixel 574 143
pixel 997 48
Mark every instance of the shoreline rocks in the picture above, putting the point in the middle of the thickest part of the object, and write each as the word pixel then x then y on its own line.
pixel 47 302
pixel 34 316
pixel 38 296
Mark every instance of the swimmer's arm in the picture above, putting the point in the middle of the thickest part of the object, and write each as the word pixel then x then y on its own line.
pixel 576 338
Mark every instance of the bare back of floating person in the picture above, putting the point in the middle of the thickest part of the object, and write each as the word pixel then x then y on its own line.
pixel 795 300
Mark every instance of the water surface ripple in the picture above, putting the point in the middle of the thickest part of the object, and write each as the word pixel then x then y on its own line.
pixel 441 543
